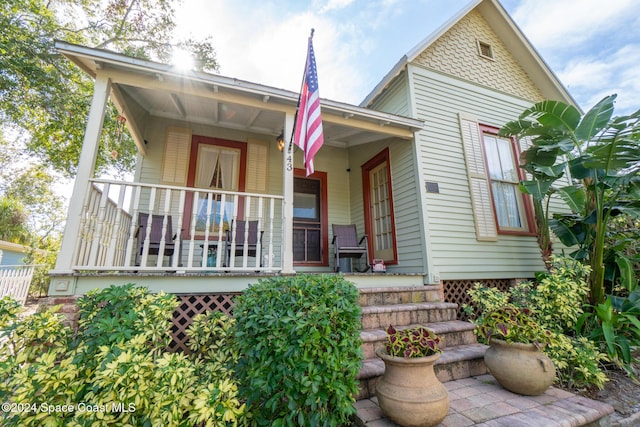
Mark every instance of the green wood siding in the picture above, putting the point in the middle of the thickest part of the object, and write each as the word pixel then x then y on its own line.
pixel 409 240
pixel 395 98
pixel 454 250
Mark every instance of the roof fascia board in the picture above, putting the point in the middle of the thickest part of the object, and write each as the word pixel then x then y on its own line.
pixel 386 80
pixel 14 247
pixel 74 52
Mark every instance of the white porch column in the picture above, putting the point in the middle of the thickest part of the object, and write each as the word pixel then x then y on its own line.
pixel 86 166
pixel 287 210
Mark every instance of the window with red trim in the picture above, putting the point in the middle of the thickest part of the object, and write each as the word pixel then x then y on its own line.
pixel 511 207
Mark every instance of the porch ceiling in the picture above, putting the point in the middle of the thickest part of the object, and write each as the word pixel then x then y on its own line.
pixel 143 88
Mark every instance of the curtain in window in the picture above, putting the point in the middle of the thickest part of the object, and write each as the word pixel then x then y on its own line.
pixel 217 168
pixel 207 159
pixel 504 181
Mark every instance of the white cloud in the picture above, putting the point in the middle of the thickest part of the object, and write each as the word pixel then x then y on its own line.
pixel 335 5
pixel 268 47
pixel 595 77
pixel 565 23
pixel 356 46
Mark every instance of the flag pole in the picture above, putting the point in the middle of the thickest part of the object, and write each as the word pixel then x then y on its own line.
pixel 306 64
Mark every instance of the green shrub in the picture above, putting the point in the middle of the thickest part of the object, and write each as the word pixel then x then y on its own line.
pixel 577 361
pixel 617 331
pixel 116 370
pixel 299 345
pixel 559 296
pixel 9 310
pixel 556 303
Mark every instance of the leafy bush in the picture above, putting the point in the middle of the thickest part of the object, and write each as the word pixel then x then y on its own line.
pixel 115 370
pixel 299 345
pixel 617 330
pixel 9 310
pixel 556 303
pixel 559 296
pixel 412 342
pixel 512 324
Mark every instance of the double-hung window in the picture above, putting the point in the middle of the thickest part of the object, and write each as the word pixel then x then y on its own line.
pixel 504 177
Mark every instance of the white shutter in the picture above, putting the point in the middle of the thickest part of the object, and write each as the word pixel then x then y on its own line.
pixel 257 166
pixel 175 160
pixel 479 184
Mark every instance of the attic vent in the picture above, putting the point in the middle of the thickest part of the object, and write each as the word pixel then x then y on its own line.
pixel 485 50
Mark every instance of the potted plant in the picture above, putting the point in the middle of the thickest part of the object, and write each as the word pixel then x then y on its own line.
pixel 515 357
pixel 409 393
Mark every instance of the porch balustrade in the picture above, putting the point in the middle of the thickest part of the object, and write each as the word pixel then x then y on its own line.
pixel 147 228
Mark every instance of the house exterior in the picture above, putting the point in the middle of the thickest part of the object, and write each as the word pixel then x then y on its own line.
pixel 12 254
pixel 417 167
pixel 15 274
pixel 466 80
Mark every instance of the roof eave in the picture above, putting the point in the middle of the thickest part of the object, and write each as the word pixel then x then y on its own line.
pixel 100 56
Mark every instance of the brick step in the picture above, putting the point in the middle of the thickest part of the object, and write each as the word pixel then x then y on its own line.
pixel 381 316
pixel 452 333
pixel 457 362
pixel 399 295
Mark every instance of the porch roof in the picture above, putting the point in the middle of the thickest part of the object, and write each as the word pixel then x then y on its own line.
pixel 142 88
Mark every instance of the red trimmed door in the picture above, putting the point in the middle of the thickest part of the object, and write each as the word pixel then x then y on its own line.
pixel 378 213
pixel 310 235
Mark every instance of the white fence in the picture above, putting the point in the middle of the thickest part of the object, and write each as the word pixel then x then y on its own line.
pixel 15 281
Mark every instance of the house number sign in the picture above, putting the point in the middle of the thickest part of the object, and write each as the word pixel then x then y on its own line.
pixel 289 162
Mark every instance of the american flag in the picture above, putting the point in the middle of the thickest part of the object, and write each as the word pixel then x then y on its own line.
pixel 308 127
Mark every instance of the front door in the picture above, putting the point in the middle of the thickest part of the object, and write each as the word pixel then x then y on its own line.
pixel 378 201
pixel 309 219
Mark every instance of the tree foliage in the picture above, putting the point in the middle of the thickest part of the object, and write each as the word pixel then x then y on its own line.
pixel 30 212
pixel 602 155
pixel 46 95
pixel 12 221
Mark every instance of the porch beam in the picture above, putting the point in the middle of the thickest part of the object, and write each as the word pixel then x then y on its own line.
pixel 195 89
pixel 329 114
pixel 86 167
pixel 354 122
pixel 132 124
pixel 287 187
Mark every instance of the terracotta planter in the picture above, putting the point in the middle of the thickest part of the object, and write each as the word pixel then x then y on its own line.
pixel 520 368
pixel 409 393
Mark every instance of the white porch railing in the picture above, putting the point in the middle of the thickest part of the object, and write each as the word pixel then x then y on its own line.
pixel 15 281
pixel 148 227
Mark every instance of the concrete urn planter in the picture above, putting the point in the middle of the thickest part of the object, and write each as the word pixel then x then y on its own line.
pixel 520 368
pixel 409 393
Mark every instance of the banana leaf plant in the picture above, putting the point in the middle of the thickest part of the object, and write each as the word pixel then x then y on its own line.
pixel 601 155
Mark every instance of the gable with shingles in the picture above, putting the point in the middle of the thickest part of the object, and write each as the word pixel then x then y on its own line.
pixel 456 53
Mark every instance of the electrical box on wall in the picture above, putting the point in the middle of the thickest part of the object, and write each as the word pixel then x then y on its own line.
pixel 432 187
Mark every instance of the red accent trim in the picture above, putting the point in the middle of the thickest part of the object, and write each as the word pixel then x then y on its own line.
pixel 324 214
pixel 526 200
pixel 193 161
pixel 375 161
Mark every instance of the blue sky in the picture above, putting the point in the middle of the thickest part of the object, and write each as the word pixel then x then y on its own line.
pixel 594 49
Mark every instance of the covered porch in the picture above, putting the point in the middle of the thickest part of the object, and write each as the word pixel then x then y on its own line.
pixel 214 194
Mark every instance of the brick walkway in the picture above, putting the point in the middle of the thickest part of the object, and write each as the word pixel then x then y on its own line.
pixel 480 401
